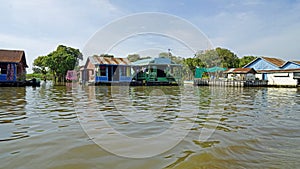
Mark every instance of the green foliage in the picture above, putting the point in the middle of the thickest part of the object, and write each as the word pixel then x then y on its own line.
pixel 223 58
pixel 39 76
pixel 209 58
pixel 246 60
pixel 192 63
pixel 164 55
pixel 189 67
pixel 175 59
pixel 40 65
pixel 59 62
pixel 218 57
pixel 228 58
pixel 133 57
pixel 107 55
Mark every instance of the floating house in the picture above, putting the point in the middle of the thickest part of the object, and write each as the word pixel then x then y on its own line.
pixel 106 70
pixel 241 74
pixel 156 71
pixel 282 77
pixel 276 71
pixel 71 75
pixel 266 63
pixel 12 66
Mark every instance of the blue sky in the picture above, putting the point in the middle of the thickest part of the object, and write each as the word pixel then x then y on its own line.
pixel 262 28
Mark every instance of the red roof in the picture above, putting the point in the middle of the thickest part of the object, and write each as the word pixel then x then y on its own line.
pixel 110 61
pixel 279 71
pixel 298 62
pixel 12 56
pixel 275 61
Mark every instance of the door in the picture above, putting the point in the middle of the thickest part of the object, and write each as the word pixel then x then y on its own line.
pixel 109 73
pixel 265 76
pixel 116 73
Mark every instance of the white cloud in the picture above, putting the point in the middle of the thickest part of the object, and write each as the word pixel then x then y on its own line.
pixel 38 27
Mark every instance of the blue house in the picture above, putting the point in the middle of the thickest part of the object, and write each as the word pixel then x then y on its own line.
pixel 291 65
pixel 157 71
pixel 106 70
pixel 267 63
pixel 268 67
pixel 12 66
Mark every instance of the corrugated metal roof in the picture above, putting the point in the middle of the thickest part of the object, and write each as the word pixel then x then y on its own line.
pixel 155 61
pixel 14 56
pixel 109 61
pixel 143 61
pixel 241 70
pixel 298 62
pixel 275 61
pixel 279 71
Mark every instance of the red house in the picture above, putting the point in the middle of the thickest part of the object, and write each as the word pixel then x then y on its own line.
pixel 12 65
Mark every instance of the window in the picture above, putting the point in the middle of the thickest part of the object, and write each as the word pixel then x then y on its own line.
pixel 3 68
pixel 297 75
pixel 125 70
pixel 102 71
pixel 128 71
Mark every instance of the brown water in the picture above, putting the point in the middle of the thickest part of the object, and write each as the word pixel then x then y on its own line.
pixel 254 128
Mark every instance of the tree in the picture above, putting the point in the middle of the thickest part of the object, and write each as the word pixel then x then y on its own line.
pixel 175 59
pixel 190 65
pixel 164 55
pixel 107 55
pixel 59 61
pixel 133 57
pixel 210 58
pixel 40 65
pixel 218 57
pixel 228 58
pixel 246 60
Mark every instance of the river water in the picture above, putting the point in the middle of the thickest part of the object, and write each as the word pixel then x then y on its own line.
pixel 51 127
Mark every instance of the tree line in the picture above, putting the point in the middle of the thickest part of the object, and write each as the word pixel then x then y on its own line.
pixel 64 58
pixel 220 57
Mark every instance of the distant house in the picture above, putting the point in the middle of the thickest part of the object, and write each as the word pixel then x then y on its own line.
pixel 241 73
pixel 157 71
pixel 268 63
pixel 71 75
pixel 99 70
pixel 12 65
pixel 291 65
pixel 277 71
pixel 283 77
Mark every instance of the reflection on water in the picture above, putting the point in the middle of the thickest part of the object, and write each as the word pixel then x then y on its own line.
pixel 12 113
pixel 254 127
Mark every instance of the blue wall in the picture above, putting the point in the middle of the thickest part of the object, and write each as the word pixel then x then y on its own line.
pixel 291 65
pixel 105 78
pixel 125 79
pixel 3 77
pixel 101 79
pixel 261 64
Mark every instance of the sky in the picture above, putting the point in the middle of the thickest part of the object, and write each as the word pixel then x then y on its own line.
pixel 254 27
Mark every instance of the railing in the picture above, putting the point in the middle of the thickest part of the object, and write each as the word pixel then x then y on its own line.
pixel 232 83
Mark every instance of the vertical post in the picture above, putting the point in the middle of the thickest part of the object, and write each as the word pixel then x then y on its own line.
pixel 15 71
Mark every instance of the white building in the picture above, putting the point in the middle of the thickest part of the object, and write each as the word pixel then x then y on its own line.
pixel 277 71
pixel 285 77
